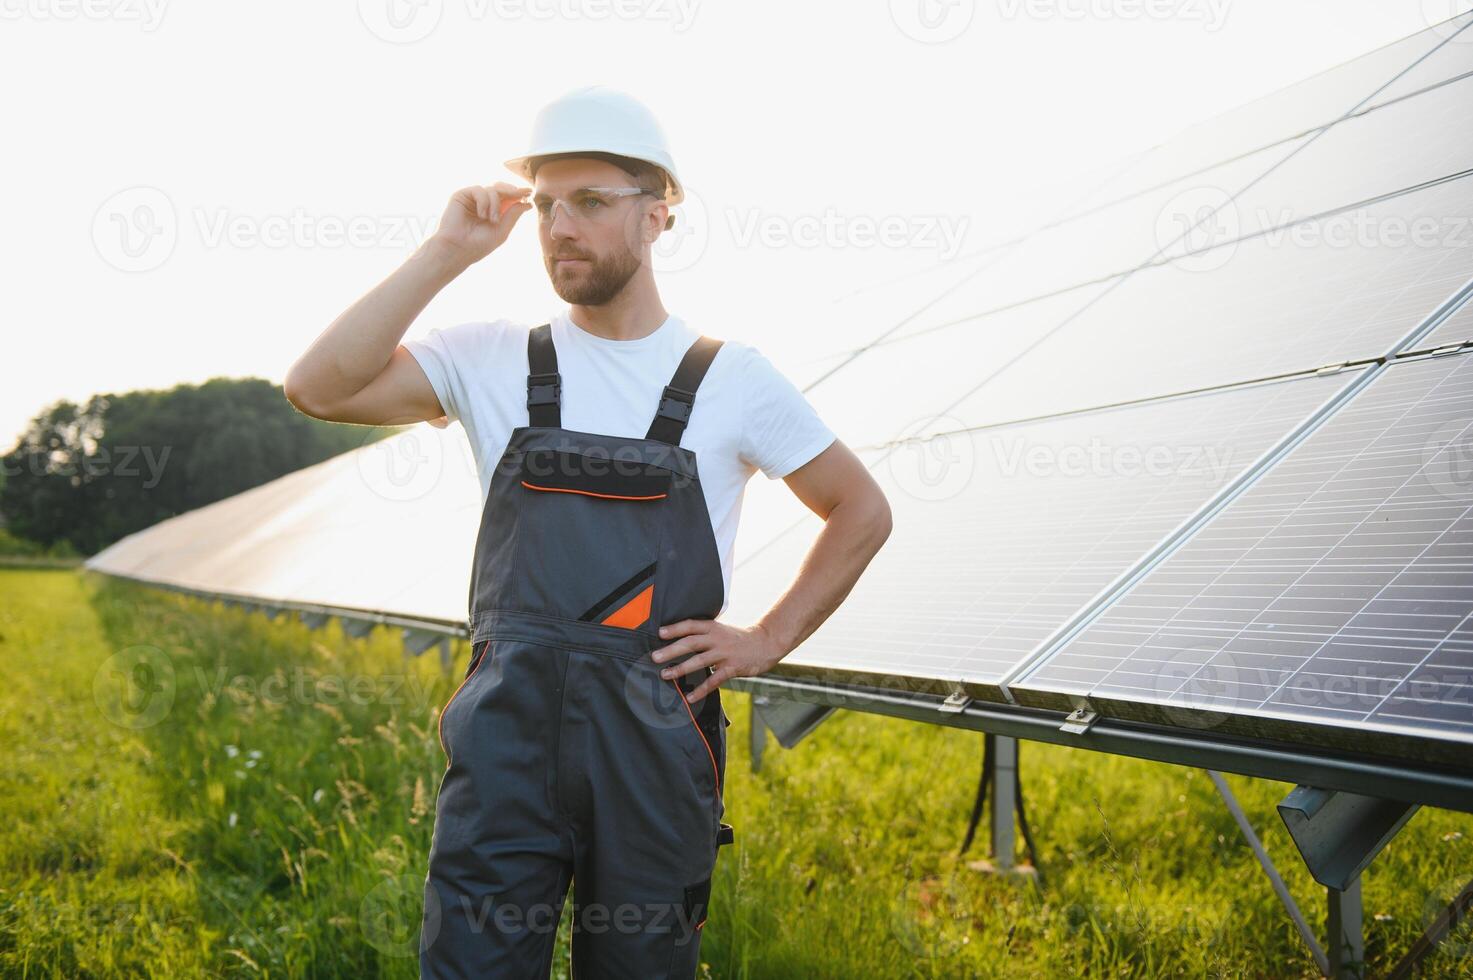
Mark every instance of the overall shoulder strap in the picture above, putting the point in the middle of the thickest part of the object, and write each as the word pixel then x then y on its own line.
pixel 680 394
pixel 544 385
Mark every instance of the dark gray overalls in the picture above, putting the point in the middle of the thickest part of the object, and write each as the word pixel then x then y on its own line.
pixel 569 757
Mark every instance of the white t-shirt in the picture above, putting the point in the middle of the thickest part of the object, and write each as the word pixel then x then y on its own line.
pixel 747 416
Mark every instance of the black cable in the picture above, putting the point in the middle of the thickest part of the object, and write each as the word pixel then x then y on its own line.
pixel 976 816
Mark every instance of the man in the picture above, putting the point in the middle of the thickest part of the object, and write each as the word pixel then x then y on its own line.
pixel 586 744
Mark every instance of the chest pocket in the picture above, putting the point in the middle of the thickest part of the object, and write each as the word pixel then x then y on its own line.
pixel 589 531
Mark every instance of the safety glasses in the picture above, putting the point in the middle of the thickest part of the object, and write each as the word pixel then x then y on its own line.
pixel 592 204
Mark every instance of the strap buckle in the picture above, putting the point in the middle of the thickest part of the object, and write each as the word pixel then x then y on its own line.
pixel 676 403
pixel 543 389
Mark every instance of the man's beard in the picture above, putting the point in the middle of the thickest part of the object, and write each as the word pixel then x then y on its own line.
pixel 596 283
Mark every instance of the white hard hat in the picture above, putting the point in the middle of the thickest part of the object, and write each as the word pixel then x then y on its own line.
pixel 599 119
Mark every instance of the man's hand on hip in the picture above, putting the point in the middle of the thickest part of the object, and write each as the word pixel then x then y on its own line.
pixel 730 651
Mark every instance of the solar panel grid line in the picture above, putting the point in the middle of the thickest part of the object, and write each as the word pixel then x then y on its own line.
pixel 985 249
pixel 1318 216
pixel 1145 400
pixel 1369 594
pixel 996 254
pixel 860 351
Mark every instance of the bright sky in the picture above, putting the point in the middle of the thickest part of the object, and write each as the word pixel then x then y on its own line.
pixel 198 189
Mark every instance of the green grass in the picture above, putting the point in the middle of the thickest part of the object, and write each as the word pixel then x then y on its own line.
pixel 187 790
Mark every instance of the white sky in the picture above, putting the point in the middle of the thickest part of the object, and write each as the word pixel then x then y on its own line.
pixel 251 116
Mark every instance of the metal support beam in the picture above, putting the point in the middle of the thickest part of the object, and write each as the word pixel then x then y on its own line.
pixel 357 628
pixel 1410 782
pixel 1338 834
pixel 1346 926
pixel 790 721
pixel 756 733
pixel 417 641
pixel 1269 869
pixel 312 620
pixel 1004 752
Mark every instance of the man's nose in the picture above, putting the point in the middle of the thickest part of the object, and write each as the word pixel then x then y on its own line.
pixel 562 224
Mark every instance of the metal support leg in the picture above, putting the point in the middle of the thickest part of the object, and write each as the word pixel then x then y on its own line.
pixel 447 660
pixel 756 733
pixel 1346 928
pixel 1338 835
pixel 1003 790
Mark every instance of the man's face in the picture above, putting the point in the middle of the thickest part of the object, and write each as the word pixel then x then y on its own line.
pixel 592 254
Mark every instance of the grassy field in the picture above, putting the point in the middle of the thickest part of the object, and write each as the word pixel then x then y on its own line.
pixel 189 791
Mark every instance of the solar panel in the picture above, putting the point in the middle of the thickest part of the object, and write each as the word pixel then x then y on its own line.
pixel 1002 534
pixel 1336 591
pixel 1269 305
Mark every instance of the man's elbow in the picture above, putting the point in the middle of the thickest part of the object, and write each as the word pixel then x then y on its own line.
pixel 300 396
pixel 875 518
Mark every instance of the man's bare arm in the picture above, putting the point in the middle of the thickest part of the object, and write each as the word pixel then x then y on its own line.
pixel 836 486
pixel 357 370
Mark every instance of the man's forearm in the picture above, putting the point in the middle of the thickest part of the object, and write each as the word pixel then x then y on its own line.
pixel 851 536
pixel 355 347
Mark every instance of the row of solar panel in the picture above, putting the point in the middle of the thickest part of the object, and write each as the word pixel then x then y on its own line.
pixel 1084 438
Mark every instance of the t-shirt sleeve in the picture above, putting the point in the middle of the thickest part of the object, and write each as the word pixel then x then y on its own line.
pixel 439 353
pixel 780 430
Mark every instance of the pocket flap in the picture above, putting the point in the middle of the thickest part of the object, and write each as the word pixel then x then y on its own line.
pixel 555 471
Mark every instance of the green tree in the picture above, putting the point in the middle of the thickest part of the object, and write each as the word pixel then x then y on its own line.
pixel 90 474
